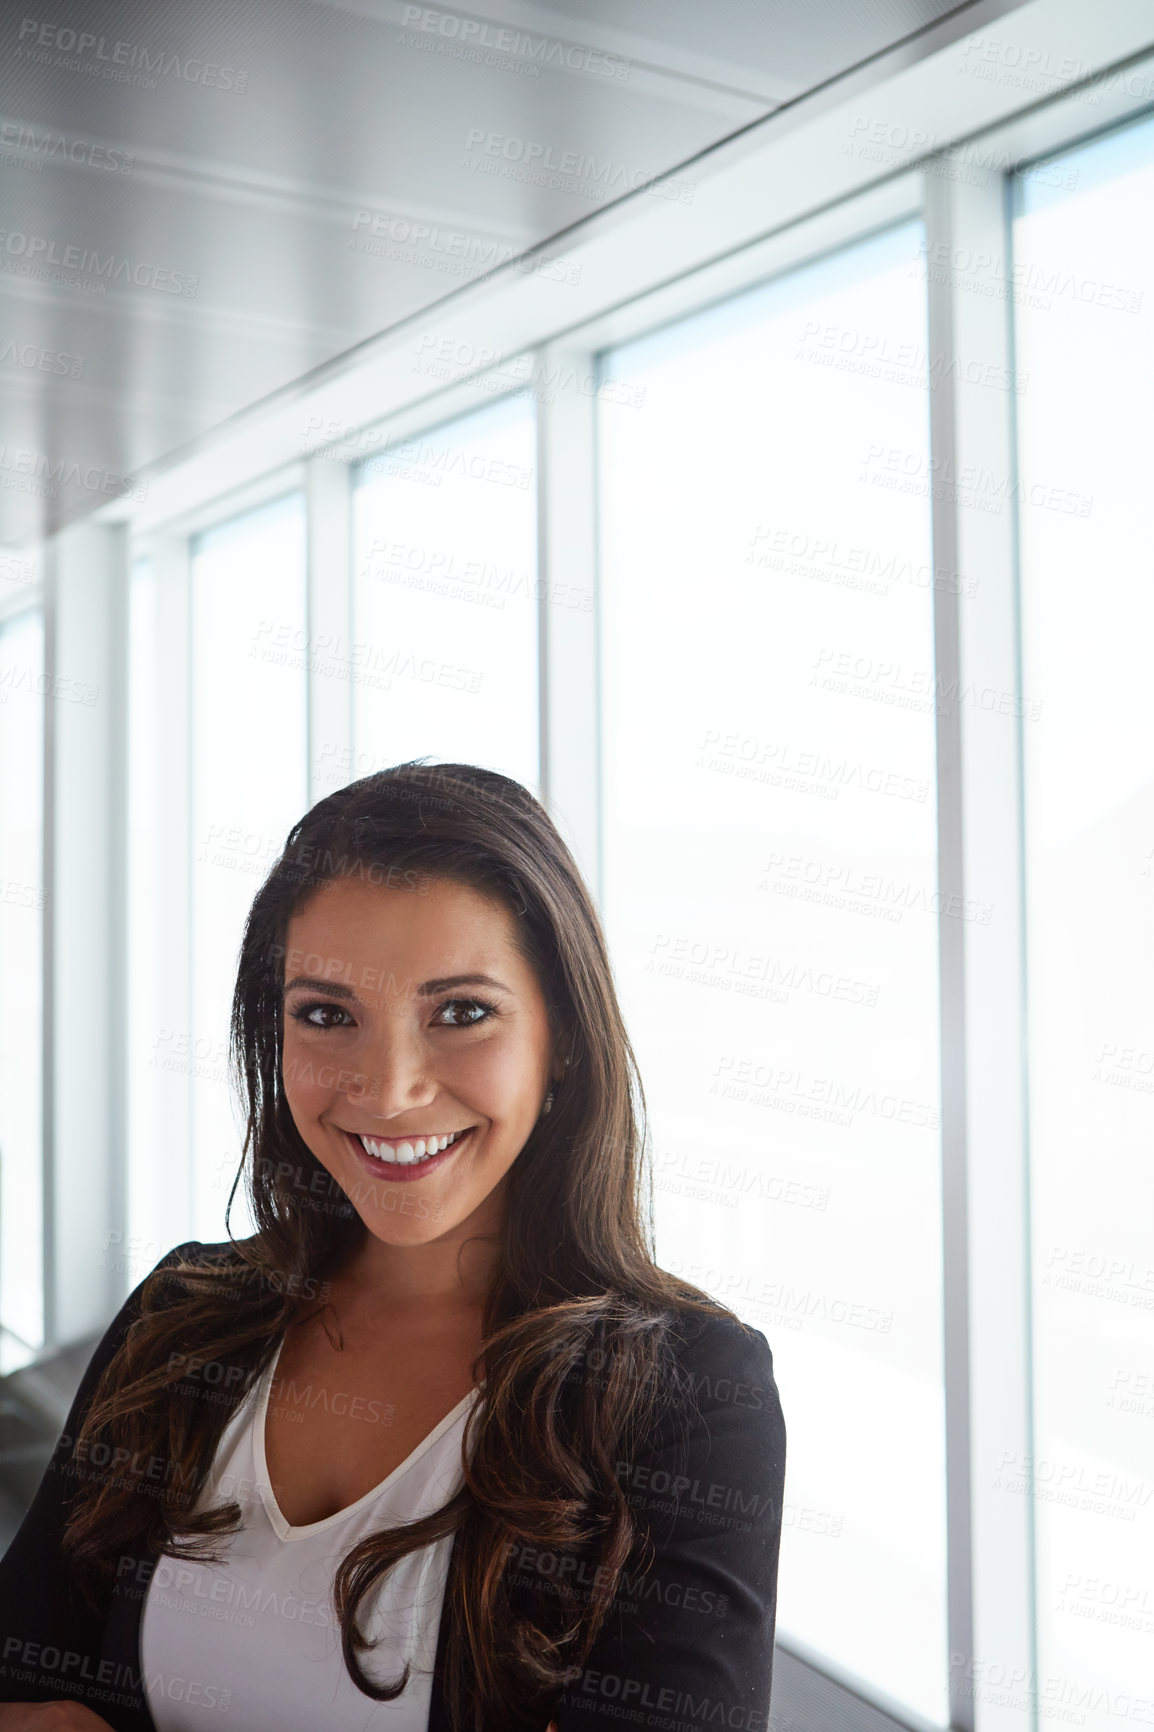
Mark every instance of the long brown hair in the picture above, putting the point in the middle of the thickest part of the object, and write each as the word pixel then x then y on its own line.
pixel 577 1359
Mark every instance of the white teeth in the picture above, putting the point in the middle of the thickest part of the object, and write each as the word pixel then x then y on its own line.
pixel 406 1153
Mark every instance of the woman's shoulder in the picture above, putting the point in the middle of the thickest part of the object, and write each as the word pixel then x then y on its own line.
pixel 719 1443
pixel 201 1250
pixel 116 1335
pixel 188 1251
pixel 729 1361
pixel 727 1379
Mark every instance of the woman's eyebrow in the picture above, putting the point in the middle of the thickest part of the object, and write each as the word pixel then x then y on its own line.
pixel 426 989
pixel 332 987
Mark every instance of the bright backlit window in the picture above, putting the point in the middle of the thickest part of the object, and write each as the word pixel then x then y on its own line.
pixel 250 669
pixel 770 896
pixel 444 654
pixel 1085 335
pixel 218 775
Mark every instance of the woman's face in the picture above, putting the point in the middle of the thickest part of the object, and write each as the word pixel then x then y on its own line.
pixel 410 1017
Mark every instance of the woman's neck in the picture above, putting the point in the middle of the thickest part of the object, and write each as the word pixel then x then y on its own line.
pixel 447 1275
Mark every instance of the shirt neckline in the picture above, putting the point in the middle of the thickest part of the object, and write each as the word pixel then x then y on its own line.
pixel 283 1529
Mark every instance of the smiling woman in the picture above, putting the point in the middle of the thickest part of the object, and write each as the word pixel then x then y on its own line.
pixel 439 1446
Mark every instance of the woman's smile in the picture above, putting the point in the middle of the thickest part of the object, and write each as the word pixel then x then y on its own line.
pixel 409 1157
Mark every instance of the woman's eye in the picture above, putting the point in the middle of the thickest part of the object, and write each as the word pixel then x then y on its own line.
pixel 453 1013
pixel 476 1011
pixel 307 1013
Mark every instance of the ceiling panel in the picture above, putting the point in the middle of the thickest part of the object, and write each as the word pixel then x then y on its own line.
pixel 203 202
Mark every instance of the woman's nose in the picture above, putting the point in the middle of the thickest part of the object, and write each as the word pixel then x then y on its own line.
pixel 394 1077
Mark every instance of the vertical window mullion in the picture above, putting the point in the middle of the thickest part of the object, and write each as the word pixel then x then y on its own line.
pixel 47 954
pixel 985 1180
pixel 566 540
pixel 85 1193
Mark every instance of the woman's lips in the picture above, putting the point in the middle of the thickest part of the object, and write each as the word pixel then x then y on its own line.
pixel 398 1172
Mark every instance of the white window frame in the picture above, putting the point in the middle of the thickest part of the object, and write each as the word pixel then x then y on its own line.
pixel 775 197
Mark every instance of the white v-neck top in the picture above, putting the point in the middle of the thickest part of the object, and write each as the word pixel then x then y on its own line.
pixel 256 1637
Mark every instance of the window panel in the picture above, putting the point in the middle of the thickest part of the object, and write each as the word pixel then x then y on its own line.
pixel 770 895
pixel 1085 338
pixel 444 654
pixel 21 987
pixel 249 671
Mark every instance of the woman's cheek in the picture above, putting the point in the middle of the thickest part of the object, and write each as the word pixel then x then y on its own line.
pixel 494 1067
pixel 310 1079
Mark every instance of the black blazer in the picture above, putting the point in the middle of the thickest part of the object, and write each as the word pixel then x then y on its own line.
pixel 687 1642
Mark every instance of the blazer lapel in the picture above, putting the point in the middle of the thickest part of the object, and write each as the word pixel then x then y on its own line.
pixel 121 1646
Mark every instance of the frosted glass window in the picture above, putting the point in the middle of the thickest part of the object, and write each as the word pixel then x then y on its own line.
pixel 1085 337
pixel 249 671
pixel 444 653
pixel 22 898
pixel 770 895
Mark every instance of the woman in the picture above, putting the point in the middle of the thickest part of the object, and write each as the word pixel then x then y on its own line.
pixel 439 1446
